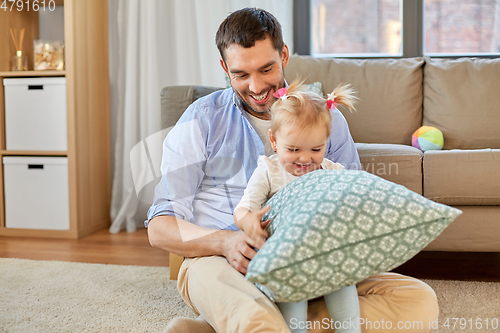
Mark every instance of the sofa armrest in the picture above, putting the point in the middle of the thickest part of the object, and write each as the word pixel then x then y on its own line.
pixel 175 262
pixel 176 99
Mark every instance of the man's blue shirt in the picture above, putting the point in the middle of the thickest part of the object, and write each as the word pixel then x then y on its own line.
pixel 210 154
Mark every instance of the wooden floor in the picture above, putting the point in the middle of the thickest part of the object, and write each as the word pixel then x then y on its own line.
pixel 101 247
pixel 134 249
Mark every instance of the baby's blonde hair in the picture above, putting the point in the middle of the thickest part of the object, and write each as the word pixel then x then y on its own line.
pixel 306 109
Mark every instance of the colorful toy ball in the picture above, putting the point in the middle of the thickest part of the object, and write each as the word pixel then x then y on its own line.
pixel 427 138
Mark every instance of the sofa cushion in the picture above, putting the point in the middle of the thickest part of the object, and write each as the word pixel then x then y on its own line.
pixel 400 164
pixel 462 177
pixel 462 99
pixel 176 99
pixel 390 92
pixel 334 228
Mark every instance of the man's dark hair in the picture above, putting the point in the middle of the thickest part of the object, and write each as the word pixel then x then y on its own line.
pixel 246 26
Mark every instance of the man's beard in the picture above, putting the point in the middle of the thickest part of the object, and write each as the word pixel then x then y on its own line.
pixel 247 106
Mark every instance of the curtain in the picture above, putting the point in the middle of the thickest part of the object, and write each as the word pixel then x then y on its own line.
pixel 154 44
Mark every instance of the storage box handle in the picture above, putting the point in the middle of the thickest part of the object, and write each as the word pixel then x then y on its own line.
pixel 35 166
pixel 35 87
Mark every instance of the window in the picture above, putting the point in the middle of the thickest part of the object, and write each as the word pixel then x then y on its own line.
pixel 462 27
pixel 397 28
pixel 356 27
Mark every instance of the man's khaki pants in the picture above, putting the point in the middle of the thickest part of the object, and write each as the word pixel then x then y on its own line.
pixel 230 303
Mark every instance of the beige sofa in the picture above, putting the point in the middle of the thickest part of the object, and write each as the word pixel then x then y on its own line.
pixel 461 97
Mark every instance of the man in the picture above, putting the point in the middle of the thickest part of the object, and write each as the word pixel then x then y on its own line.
pixel 207 160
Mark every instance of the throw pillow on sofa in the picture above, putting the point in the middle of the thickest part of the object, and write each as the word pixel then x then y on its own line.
pixel 334 228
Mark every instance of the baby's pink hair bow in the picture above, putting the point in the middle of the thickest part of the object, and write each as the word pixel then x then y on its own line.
pixel 281 93
pixel 331 102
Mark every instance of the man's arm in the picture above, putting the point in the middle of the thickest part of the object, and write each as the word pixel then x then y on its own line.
pixel 189 240
pixel 171 222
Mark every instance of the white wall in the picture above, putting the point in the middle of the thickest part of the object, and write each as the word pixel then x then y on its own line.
pixel 51 23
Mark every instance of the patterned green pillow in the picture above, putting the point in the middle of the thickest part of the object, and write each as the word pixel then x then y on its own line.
pixel 334 228
pixel 315 87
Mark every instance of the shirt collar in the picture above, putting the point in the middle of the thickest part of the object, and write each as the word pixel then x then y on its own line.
pixel 237 102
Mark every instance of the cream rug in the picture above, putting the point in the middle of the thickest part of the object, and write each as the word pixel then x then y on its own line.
pixel 53 296
pixel 467 306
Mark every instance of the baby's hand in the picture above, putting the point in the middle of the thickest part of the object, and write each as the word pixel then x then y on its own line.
pixel 251 224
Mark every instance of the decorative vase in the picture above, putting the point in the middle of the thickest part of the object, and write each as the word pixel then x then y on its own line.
pixel 19 62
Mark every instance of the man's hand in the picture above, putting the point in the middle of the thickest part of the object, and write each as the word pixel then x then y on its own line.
pixel 238 250
pixel 236 246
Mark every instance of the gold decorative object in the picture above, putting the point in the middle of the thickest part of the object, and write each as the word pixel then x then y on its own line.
pixel 49 55
pixel 19 61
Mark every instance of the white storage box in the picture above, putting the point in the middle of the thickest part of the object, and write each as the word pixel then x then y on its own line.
pixel 35 114
pixel 36 193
